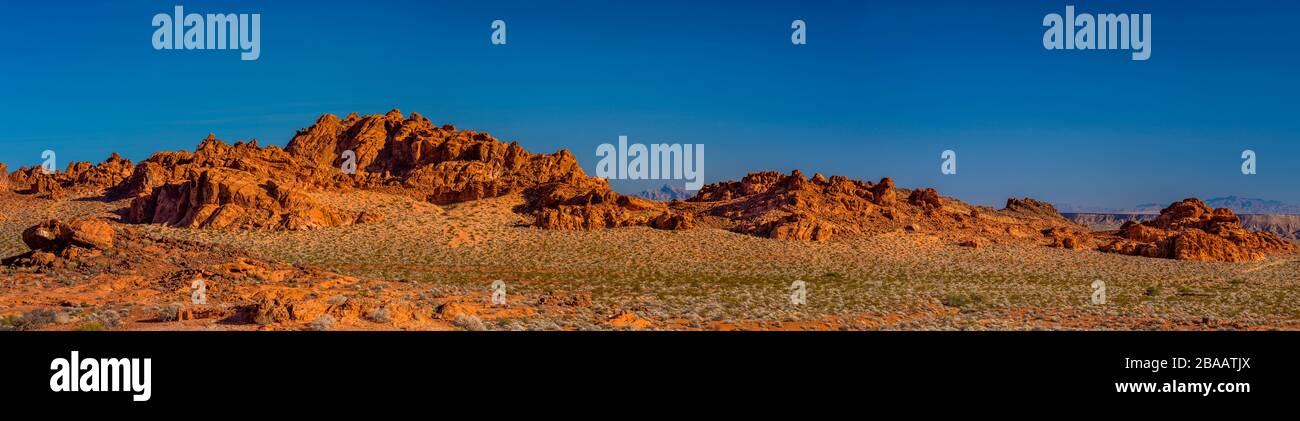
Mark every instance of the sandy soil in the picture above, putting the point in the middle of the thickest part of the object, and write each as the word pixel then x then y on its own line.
pixel 641 278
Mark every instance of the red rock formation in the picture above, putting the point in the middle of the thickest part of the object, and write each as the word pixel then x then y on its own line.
pixel 109 173
pixel 53 240
pixel 1067 238
pixel 670 220
pixel 1191 230
pixel 224 198
pixel 393 154
pixel 79 176
pixel 774 205
pixel 46 185
pixel 587 204
pixel 225 186
pixel 1031 208
pixel 440 164
pixel 177 167
pixel 927 199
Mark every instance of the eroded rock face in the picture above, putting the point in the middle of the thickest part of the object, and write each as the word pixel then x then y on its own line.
pixel 109 173
pixel 1030 207
pixel 1191 230
pixel 79 176
pixel 223 198
pixel 46 185
pixel 927 199
pixel 34 181
pixel 232 186
pixel 1066 238
pixel 670 220
pixel 437 163
pixel 248 157
pixel 586 203
pixel 775 205
pixel 391 153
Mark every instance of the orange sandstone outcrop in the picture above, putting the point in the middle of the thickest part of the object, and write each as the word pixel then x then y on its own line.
pixel 795 207
pixel 79 176
pixel 109 173
pixel 438 163
pixel 774 205
pixel 54 235
pixel 223 198
pixel 268 162
pixel 52 242
pixel 1191 230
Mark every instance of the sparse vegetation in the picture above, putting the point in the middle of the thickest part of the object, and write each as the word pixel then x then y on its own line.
pixel 469 323
pixel 34 319
pixel 380 315
pixel 169 313
pixel 322 323
pixel 91 327
pixel 695 279
pixel 962 301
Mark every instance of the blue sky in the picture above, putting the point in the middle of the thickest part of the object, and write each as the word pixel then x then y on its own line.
pixel 881 88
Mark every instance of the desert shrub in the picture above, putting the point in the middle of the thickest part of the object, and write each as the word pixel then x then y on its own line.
pixel 469 323
pixel 169 313
pixel 322 323
pixel 1152 291
pixel 107 318
pixel 90 327
pixel 961 300
pixel 380 315
pixel 34 319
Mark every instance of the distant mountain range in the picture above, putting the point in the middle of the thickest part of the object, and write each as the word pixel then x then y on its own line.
pixel 666 194
pixel 1239 205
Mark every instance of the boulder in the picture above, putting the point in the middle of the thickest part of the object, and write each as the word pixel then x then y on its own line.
pixel 669 220
pixel 55 235
pixel 926 199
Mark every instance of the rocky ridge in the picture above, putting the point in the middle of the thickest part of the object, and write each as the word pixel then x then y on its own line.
pixel 245 186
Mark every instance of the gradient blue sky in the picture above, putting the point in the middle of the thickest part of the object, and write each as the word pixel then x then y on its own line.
pixel 880 89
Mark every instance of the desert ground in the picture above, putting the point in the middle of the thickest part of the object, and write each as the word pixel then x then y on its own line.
pixel 443 259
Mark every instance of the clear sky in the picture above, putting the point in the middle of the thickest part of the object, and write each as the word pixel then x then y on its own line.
pixel 881 88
